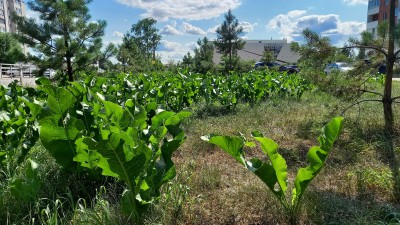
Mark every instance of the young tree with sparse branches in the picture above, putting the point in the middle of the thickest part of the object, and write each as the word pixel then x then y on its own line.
pixel 383 46
pixel 316 51
pixel 229 42
pixel 65 37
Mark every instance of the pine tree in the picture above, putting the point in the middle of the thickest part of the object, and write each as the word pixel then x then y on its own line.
pixel 65 37
pixel 203 56
pixel 10 49
pixel 228 41
pixel 146 37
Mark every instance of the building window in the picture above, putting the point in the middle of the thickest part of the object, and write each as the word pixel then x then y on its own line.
pixel 386 2
pixel 373 4
pixel 384 16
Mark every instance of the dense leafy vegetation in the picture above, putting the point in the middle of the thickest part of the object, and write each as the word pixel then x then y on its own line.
pixel 117 126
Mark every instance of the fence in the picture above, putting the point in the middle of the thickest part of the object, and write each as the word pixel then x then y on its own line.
pixel 19 71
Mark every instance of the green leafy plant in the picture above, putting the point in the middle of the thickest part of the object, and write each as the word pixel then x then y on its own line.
pixel 274 173
pixel 26 189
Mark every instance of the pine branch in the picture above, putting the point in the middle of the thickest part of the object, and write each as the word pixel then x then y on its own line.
pixel 397 54
pixel 368 47
pixel 359 102
pixel 395 98
pixel 371 92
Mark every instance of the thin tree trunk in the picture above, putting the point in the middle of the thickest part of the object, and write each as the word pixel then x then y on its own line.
pixel 387 95
pixel 69 69
pixel 68 55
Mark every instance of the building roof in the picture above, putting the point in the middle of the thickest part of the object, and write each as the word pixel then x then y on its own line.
pixel 254 49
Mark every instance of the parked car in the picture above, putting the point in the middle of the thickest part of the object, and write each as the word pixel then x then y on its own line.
pixel 289 69
pixel 270 65
pixel 337 66
pixel 381 68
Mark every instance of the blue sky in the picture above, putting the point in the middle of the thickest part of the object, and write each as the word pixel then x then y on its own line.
pixel 183 22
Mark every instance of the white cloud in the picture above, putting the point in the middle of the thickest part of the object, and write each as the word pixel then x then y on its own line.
pixel 247 27
pixel 291 25
pixel 170 30
pixel 32 14
pixel 174 51
pixel 183 9
pixel 356 2
pixel 213 30
pixel 118 34
pixel 190 29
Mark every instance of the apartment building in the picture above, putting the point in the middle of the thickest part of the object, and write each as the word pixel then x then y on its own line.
pixel 6 9
pixel 378 10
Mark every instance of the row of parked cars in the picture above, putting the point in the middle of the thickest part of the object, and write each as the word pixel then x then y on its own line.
pixel 330 68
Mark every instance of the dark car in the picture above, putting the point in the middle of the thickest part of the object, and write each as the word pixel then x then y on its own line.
pixel 289 69
pixel 270 65
pixel 381 68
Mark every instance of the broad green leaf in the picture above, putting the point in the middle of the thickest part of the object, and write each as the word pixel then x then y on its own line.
pixel 270 148
pixel 232 145
pixel 60 102
pixel 59 140
pixel 266 173
pixel 128 171
pixel 329 133
pixel 26 189
pixel 316 157
pixel 42 81
pixel 88 156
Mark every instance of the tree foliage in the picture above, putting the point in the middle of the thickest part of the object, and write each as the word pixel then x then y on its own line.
pixel 145 35
pixel 203 56
pixel 187 61
pixel 10 49
pixel 138 49
pixel 65 37
pixel 229 42
pixel 268 56
pixel 315 52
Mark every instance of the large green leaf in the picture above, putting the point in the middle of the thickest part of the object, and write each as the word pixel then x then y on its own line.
pixel 26 189
pixel 127 170
pixel 59 140
pixel 88 156
pixel 232 145
pixel 266 173
pixel 316 157
pixel 270 148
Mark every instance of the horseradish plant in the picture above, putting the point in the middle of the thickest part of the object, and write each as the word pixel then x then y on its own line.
pixel 274 173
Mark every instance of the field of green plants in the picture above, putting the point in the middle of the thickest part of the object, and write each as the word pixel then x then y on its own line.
pixel 121 131
pixel 132 149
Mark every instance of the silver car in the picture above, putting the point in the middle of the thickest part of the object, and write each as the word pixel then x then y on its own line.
pixel 337 66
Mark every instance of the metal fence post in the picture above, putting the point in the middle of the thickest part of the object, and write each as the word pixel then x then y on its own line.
pixel 20 73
